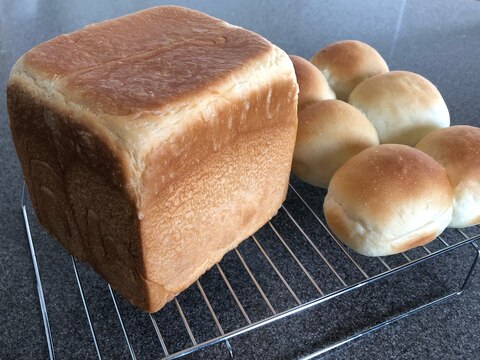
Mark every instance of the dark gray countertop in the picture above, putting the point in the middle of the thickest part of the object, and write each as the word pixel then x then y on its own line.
pixel 438 39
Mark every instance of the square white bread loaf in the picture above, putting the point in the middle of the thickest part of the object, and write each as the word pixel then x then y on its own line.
pixel 154 143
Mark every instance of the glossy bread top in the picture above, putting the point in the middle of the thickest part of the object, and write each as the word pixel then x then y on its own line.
pixel 144 61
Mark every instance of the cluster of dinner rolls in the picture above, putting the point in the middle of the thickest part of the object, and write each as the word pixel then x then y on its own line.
pixel 457 148
pixel 379 140
pixel 388 199
pixel 403 106
pixel 345 64
pixel 312 84
pixel 331 132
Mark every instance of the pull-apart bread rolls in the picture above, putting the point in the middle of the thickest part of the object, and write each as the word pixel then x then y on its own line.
pixel 154 143
pixel 403 106
pixel 457 148
pixel 329 133
pixel 388 199
pixel 345 64
pixel 312 84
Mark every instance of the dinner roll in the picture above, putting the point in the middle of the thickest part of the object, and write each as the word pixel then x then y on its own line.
pixel 346 64
pixel 329 133
pixel 388 199
pixel 457 148
pixel 403 106
pixel 312 84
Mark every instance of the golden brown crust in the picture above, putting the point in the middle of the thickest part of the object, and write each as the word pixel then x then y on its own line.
pixel 175 73
pixel 334 115
pixel 312 84
pixel 131 76
pixel 164 164
pixel 151 200
pixel 457 148
pixel 417 240
pixel 251 171
pixel 403 106
pixel 329 133
pixel 213 209
pixel 346 64
pixel 119 38
pixel 79 203
pixel 388 198
pixel 417 90
pixel 393 173
pixel 75 186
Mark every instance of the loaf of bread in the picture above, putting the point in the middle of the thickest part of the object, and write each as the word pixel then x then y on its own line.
pixel 388 199
pixel 329 133
pixel 403 106
pixel 345 64
pixel 311 83
pixel 457 148
pixel 154 143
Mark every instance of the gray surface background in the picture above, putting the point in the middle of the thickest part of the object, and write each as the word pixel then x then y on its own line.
pixel 438 39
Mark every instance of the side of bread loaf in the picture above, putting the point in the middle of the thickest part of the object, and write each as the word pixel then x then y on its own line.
pixel 150 167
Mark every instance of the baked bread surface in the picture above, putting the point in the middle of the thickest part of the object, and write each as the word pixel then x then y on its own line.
pixel 154 143
pixel 347 63
pixel 329 133
pixel 388 199
pixel 403 106
pixel 312 84
pixel 457 148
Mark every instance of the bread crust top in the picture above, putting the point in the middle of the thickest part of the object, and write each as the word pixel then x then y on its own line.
pixel 144 61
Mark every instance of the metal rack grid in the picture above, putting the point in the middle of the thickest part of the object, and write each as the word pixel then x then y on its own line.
pixel 294 247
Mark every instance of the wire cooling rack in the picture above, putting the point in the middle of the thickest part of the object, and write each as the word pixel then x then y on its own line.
pixel 292 264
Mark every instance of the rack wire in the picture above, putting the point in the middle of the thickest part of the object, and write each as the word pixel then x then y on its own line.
pixel 295 247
